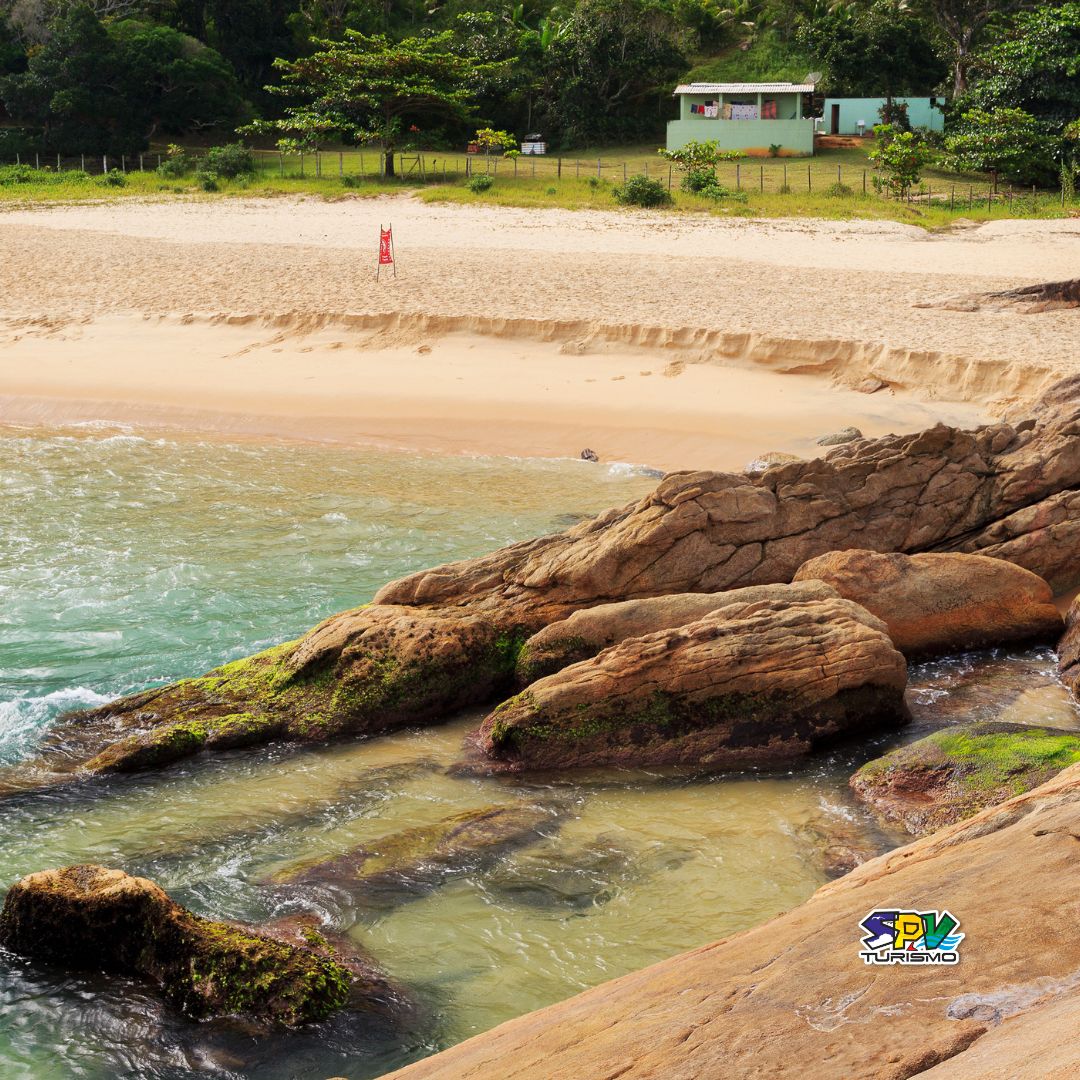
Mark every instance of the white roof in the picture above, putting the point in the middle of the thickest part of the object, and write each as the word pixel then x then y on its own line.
pixel 744 88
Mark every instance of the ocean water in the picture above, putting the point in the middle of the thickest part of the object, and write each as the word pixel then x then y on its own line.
pixel 126 561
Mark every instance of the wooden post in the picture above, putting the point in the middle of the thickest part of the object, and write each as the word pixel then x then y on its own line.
pixel 82 162
pixel 761 179
pixel 141 169
pixel 57 162
pixel 533 166
pixel 577 169
pixel 558 171
pixel 738 176
pixel 809 183
pixel 669 179
pixel 281 163
pixel 864 181
pixel 838 180
pixel 624 176
pixel 123 163
pixel 785 174
pixel 597 168
pixel 340 163
pixel 104 164
pixel 952 198
pixel 301 162
pixel 37 161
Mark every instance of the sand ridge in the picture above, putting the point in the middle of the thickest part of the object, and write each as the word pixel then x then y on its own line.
pixel 527 316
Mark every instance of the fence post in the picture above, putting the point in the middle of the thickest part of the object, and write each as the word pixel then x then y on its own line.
pixel 57 162
pixel 104 163
pixel 340 163
pixel 838 179
pixel 82 162
pixel 598 168
pixel 669 179
pixel 646 170
pixel 141 169
pixel 577 169
pixel 37 161
pixel 533 165
pixel 301 163
pixel 738 176
pixel 864 181
pixel 785 174
pixel 761 179
pixel 123 163
pixel 952 198
pixel 281 164
pixel 159 161
pixel 558 171
pixel 624 181
pixel 809 183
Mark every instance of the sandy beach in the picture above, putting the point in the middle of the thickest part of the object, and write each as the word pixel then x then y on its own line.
pixel 666 340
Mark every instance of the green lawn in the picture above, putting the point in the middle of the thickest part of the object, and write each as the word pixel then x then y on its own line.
pixel 765 187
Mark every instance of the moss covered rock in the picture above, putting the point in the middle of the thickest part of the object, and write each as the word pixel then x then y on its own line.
pixel 754 688
pixel 414 861
pixel 958 771
pixel 92 918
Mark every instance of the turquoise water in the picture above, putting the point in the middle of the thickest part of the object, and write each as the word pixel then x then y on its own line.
pixel 126 561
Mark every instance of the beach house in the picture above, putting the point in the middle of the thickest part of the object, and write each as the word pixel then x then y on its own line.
pixel 857 116
pixel 751 117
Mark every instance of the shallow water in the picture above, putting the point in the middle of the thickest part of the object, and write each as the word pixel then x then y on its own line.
pixel 125 561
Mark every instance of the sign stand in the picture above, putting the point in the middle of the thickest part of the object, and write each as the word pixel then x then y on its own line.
pixel 386 250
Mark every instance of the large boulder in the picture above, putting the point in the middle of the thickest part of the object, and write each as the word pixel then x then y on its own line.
pixel 448 637
pixel 958 771
pixel 941 602
pixel 93 918
pixel 588 631
pixel 753 687
pixel 1069 649
pixel 793 998
pixel 407 864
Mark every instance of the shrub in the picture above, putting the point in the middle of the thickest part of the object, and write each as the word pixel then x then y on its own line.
pixel 641 191
pixel 895 114
pixel 176 164
pixel 837 190
pixel 697 180
pixel 113 178
pixel 478 184
pixel 1006 141
pixel 351 181
pixel 18 174
pixel 901 156
pixel 208 180
pixel 552 191
pixel 784 189
pixel 228 162
pixel 775 148
pixel 719 191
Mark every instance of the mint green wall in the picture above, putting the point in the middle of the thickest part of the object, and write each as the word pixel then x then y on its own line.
pixel 852 110
pixel 794 136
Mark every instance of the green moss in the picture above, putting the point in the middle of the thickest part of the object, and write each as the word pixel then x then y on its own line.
pixel 992 760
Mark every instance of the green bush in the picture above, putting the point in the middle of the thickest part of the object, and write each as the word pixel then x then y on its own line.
pixel 837 190
pixel 697 180
pixel 901 157
pixel 113 178
pixel 229 162
pixel 480 183
pixel 208 180
pixel 18 174
pixel 641 191
pixel 718 192
pixel 352 181
pixel 176 164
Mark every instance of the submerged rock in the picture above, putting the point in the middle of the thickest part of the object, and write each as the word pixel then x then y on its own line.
pixel 588 631
pixel 958 771
pixel 414 861
pixel 90 917
pixel 757 687
pixel 793 999
pixel 449 637
pixel 941 602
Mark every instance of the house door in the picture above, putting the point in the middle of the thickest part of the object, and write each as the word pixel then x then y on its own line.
pixel 834 126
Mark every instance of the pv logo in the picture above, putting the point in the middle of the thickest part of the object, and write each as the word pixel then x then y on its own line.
pixel 911 937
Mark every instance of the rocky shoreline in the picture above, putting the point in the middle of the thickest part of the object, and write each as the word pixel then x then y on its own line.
pixel 724 622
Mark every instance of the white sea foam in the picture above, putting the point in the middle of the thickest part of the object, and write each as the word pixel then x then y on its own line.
pixel 23 720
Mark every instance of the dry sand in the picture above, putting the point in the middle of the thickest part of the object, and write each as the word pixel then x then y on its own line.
pixel 656 338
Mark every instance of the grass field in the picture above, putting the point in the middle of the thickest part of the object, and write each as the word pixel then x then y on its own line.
pixel 836 183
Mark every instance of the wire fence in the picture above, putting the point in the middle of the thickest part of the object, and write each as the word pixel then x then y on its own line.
pixel 770 176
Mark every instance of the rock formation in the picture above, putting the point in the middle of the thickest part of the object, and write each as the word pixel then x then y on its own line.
pixel 954 773
pixel 1069 650
pixel 792 999
pixel 92 918
pixel 745 686
pixel 416 860
pixel 588 631
pixel 449 637
pixel 941 602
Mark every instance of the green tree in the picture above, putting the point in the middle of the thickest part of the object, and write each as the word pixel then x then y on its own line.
pixel 370 88
pixel 900 156
pixel 871 49
pixel 1034 66
pixel 962 24
pixel 106 88
pixel 1006 142
pixel 615 60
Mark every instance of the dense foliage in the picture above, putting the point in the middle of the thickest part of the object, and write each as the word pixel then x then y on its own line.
pixel 106 76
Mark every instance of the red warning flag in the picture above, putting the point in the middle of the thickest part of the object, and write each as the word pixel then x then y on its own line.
pixel 386 247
